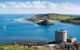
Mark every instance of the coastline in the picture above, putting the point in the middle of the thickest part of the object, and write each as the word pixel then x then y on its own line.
pixel 63 21
pixel 69 22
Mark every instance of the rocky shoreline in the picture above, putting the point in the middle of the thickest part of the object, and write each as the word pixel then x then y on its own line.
pixel 75 21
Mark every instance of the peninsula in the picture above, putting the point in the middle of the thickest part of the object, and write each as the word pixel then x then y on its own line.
pixel 46 19
pixel 71 19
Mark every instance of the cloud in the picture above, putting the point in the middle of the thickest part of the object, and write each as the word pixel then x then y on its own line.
pixel 40 7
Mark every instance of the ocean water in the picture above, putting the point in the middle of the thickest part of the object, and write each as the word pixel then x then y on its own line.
pixel 11 30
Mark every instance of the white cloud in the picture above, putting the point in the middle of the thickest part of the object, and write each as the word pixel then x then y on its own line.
pixel 40 7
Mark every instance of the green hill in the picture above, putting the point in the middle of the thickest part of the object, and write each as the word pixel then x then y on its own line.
pixel 59 17
pixel 53 16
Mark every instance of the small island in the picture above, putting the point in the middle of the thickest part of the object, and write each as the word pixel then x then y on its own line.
pixel 45 22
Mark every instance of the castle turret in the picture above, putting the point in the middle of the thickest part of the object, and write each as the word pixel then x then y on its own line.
pixel 60 36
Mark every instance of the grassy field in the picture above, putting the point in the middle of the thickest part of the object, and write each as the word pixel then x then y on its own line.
pixel 16 47
pixel 54 16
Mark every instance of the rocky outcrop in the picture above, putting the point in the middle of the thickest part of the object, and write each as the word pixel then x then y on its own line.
pixel 45 22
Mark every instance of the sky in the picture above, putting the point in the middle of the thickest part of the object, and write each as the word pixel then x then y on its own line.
pixel 39 6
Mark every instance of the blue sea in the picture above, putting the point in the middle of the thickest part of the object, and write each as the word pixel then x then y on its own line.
pixel 11 30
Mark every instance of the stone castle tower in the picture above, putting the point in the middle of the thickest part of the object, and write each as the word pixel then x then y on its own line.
pixel 60 36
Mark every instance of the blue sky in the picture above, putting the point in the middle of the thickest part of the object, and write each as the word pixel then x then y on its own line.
pixel 39 6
